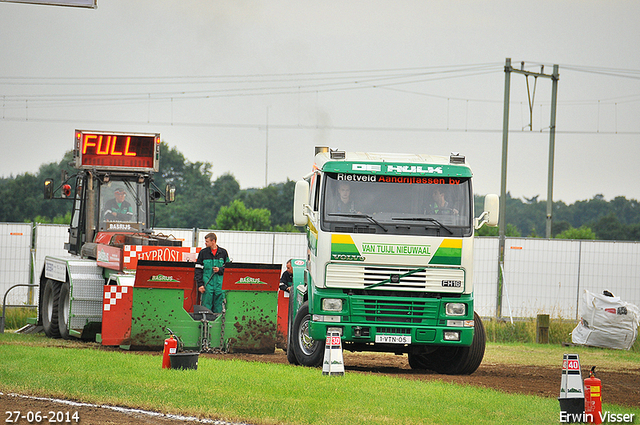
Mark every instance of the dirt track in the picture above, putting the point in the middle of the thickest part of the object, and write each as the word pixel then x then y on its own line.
pixel 619 387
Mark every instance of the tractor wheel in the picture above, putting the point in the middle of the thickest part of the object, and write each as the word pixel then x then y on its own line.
pixel 64 307
pixel 49 308
pixel 461 360
pixel 308 352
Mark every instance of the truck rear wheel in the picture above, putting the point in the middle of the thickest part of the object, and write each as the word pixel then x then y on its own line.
pixel 64 307
pixel 460 360
pixel 308 352
pixel 49 307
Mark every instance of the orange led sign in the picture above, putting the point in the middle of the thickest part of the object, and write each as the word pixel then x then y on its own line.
pixel 117 151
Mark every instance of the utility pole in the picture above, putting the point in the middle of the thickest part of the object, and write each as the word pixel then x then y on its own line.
pixel 502 223
pixel 552 145
pixel 508 69
pixel 266 153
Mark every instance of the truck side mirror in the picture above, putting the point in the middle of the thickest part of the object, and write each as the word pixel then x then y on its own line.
pixel 300 198
pixel 491 207
pixel 491 212
pixel 170 193
pixel 48 189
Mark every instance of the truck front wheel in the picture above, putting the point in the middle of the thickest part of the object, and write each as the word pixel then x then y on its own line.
pixel 49 308
pixel 454 360
pixel 457 360
pixel 419 361
pixel 308 352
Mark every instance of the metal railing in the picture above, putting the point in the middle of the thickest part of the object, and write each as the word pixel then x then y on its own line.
pixel 4 304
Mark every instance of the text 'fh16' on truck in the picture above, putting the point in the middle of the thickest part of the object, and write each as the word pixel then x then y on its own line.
pixel 389 259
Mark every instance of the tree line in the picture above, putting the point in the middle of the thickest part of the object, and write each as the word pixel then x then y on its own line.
pixel 205 203
pixel 595 218
pixel 200 201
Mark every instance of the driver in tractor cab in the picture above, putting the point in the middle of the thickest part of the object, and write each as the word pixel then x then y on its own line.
pixel 118 209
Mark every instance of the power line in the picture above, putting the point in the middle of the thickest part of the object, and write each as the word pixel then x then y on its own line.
pixel 251 85
pixel 612 72
pixel 262 126
pixel 246 77
pixel 294 86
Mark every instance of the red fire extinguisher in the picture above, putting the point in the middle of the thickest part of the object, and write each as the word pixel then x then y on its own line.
pixel 170 347
pixel 593 398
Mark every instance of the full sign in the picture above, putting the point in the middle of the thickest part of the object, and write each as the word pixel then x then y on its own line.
pixel 117 151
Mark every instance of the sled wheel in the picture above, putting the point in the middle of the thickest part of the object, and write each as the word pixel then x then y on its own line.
pixel 49 307
pixel 64 308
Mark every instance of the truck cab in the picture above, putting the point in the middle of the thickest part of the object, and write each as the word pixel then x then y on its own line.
pixel 390 259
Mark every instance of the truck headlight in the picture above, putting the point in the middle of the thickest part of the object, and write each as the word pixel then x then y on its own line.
pixel 455 309
pixel 332 304
pixel 451 336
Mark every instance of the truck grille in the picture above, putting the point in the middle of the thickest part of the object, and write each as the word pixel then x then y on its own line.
pixel 431 279
pixel 393 331
pixel 414 311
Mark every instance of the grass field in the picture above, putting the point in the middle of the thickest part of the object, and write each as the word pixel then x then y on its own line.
pixel 521 331
pixel 263 393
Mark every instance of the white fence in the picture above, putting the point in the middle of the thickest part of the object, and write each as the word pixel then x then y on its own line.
pixel 15 260
pixel 259 247
pixel 540 275
pixel 549 276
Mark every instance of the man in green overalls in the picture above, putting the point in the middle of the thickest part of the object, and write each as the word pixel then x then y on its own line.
pixel 208 273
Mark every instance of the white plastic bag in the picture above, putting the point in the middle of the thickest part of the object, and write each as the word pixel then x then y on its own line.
pixel 606 322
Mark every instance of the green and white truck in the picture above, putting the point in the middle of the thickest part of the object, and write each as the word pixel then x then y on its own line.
pixel 389 259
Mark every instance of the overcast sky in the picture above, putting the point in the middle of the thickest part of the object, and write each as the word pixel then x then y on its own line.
pixel 253 86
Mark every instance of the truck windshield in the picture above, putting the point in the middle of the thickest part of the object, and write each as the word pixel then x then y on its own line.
pixel 400 205
pixel 122 206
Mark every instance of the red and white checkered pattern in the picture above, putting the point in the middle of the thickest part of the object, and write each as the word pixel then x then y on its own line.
pixel 131 251
pixel 113 294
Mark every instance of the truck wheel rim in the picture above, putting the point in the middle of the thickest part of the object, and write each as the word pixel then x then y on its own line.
pixel 307 344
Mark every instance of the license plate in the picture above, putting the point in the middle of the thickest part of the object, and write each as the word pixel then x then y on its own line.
pixel 394 339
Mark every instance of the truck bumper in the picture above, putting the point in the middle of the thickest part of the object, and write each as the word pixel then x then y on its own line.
pixel 365 333
pixel 394 320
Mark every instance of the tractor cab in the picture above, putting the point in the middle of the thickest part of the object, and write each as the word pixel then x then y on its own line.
pixel 106 205
pixel 114 190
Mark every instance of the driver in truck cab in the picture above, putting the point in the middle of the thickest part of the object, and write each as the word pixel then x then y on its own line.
pixel 118 209
pixel 440 204
pixel 344 201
